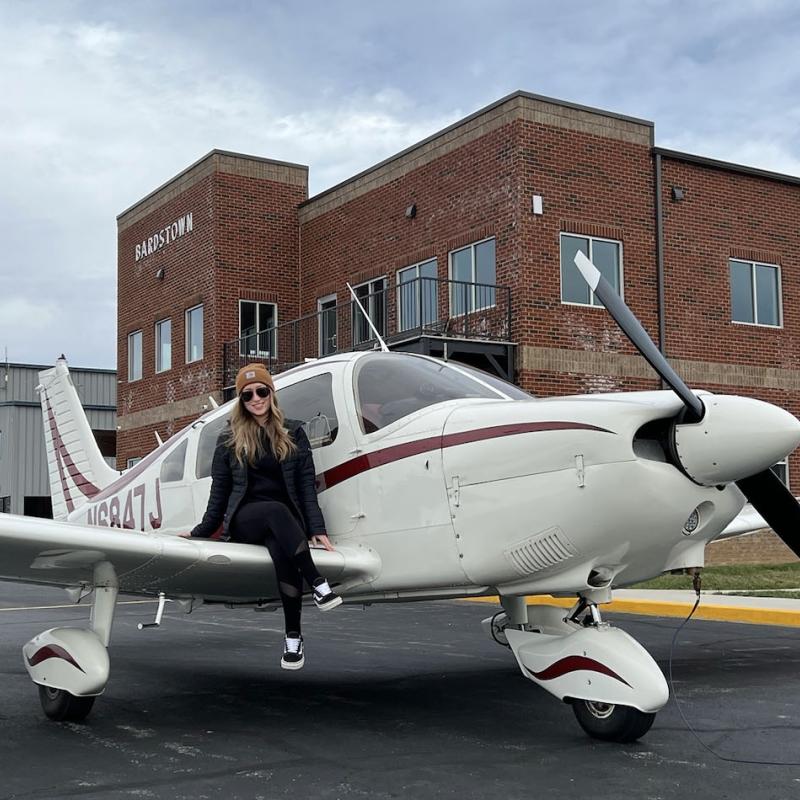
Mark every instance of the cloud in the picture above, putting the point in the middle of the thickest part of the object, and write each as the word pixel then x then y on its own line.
pixel 102 102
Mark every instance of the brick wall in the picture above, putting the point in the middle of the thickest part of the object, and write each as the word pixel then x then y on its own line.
pixel 244 244
pixel 759 547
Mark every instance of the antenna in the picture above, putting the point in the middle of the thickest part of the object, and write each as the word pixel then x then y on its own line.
pixel 384 348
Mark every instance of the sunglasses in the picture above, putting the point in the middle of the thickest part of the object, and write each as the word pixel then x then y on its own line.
pixel 247 395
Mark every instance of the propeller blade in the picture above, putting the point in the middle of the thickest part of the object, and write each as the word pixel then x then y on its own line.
pixel 770 497
pixel 633 329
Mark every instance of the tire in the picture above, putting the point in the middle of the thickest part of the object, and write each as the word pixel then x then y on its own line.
pixel 612 723
pixel 62 706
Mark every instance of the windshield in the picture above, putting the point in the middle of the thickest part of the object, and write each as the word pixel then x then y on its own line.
pixel 390 386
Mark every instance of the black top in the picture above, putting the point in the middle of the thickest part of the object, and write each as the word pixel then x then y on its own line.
pixel 229 484
pixel 265 479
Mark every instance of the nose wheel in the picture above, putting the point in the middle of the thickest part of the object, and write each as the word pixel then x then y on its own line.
pixel 62 706
pixel 611 722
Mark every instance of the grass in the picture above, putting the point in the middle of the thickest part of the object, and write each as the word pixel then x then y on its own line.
pixel 761 580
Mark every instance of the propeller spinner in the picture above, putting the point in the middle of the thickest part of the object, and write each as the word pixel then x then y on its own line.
pixel 759 434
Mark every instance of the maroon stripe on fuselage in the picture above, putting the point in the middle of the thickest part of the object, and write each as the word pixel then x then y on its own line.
pixel 355 466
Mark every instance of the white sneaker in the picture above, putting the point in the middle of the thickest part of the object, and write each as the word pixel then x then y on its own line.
pixel 293 657
pixel 324 596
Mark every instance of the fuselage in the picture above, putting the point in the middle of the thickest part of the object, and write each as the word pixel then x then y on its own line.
pixel 459 494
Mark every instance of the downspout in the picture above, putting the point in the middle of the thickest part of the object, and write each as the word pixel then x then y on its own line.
pixel 660 260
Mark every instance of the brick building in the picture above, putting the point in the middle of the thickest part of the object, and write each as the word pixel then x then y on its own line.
pixel 463 244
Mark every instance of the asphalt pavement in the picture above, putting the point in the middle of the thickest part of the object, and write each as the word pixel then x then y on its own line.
pixel 396 701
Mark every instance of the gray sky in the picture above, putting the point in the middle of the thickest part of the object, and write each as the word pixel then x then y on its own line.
pixel 101 102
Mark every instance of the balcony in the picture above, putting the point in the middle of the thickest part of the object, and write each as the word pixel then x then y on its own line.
pixel 469 322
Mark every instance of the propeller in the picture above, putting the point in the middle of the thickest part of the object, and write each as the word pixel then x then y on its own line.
pixel 764 490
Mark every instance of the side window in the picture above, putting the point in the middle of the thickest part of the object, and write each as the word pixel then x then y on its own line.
pixel 172 466
pixel 205 447
pixel 311 401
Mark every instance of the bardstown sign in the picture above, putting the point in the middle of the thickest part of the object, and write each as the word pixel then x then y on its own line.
pixel 166 235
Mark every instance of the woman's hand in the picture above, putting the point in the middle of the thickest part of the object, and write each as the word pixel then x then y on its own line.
pixel 322 540
pixel 185 534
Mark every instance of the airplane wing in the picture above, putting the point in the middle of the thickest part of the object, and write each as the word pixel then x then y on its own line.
pixel 746 521
pixel 34 550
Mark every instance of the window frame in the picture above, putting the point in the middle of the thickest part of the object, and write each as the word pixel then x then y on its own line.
pixel 593 302
pixel 473 307
pixel 321 301
pixel 418 310
pixel 156 329
pixel 754 294
pixel 274 339
pixel 187 329
pixel 131 335
pixel 784 462
pixel 371 300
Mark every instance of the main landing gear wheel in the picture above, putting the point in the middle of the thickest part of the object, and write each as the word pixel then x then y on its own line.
pixel 612 723
pixel 62 706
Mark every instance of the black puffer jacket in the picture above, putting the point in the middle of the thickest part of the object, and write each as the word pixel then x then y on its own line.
pixel 229 485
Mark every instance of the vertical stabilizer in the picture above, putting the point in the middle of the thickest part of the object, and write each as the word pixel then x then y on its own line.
pixel 76 467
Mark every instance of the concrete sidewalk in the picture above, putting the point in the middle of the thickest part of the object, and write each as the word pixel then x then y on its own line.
pixel 720 607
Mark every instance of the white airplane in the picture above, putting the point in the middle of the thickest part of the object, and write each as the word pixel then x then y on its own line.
pixel 436 481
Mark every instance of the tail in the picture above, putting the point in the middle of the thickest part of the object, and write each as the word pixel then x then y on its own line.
pixel 77 469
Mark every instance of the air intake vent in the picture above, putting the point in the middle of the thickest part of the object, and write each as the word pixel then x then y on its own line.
pixel 545 549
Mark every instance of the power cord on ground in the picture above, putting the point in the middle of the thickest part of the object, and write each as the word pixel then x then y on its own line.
pixel 696 582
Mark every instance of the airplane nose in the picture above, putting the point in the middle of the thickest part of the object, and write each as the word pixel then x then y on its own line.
pixel 737 437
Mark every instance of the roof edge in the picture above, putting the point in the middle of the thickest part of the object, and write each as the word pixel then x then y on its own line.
pixel 210 154
pixel 469 118
pixel 729 166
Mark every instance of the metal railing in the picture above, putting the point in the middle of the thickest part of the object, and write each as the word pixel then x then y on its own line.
pixel 402 312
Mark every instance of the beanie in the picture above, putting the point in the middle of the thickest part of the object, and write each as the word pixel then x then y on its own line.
pixel 253 373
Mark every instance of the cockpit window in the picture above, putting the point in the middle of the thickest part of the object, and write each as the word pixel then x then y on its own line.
pixel 207 445
pixel 311 401
pixel 509 389
pixel 389 387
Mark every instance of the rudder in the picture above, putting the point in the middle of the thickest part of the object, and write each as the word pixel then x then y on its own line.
pixel 75 465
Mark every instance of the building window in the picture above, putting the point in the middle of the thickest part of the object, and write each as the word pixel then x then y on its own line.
pixel 194 334
pixel 326 306
pixel 5 505
pixel 473 275
pixel 372 296
pixel 755 293
pixel 417 295
pixel 257 323
pixel 163 345
pixel 781 469
pixel 605 254
pixel 135 356
pixel 132 462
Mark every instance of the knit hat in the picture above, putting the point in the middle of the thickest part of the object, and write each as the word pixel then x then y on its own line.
pixel 253 373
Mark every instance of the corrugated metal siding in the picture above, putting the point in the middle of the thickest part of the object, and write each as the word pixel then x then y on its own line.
pixel 18 383
pixel 23 462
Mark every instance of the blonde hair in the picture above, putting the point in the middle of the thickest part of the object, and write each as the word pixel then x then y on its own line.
pixel 246 439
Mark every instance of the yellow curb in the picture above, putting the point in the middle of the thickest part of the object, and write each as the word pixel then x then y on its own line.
pixel 667 608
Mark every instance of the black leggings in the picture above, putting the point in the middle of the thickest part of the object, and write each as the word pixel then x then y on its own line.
pixel 272 524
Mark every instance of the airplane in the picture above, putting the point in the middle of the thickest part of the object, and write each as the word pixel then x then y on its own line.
pixel 436 481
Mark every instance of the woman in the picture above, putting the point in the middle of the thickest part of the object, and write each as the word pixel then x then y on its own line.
pixel 263 492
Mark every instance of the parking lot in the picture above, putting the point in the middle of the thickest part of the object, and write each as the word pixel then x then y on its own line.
pixel 395 701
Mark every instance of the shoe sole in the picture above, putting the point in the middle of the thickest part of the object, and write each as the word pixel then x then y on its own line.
pixel 292 664
pixel 337 601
